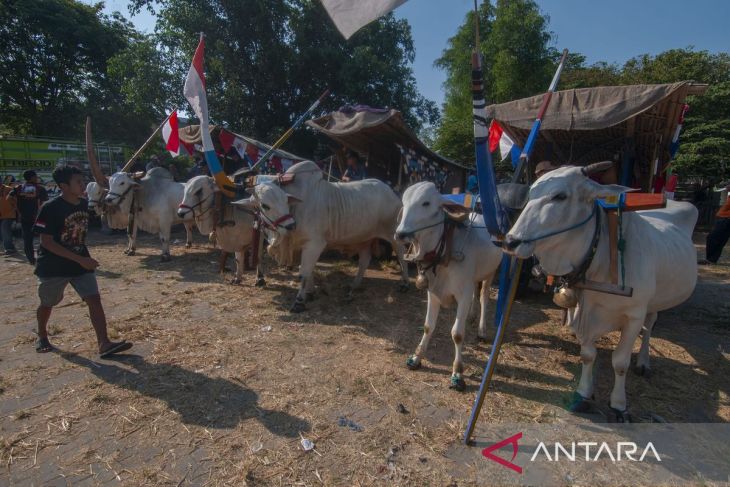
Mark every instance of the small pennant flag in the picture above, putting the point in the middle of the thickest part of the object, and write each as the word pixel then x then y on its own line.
pixel 499 138
pixel 172 137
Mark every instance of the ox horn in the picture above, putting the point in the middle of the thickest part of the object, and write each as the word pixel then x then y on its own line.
pixel 597 167
pixel 93 163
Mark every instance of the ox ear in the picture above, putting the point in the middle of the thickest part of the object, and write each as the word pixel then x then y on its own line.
pixel 606 190
pixel 249 203
pixel 292 199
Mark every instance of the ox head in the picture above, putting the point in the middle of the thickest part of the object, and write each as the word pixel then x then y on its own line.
pixel 272 203
pixel 95 194
pixel 421 219
pixel 121 185
pixel 557 223
pixel 198 199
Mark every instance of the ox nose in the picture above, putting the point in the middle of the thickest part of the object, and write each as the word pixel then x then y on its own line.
pixel 291 226
pixel 511 243
pixel 402 235
pixel 181 213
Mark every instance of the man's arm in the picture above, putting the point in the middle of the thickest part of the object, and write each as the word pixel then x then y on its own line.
pixel 54 247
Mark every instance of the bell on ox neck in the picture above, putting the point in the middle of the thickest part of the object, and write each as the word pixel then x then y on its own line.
pixel 421 281
pixel 565 297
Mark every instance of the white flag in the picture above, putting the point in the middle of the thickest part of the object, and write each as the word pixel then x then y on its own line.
pixel 351 15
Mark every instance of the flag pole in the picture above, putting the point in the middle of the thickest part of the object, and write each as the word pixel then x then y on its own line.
pixel 527 149
pixel 288 133
pixel 146 144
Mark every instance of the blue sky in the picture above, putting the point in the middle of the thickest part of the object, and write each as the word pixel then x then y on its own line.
pixel 612 31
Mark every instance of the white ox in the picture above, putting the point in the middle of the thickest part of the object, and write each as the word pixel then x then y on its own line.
pixel 312 214
pixel 234 235
pixel 474 259
pixel 156 198
pixel 558 227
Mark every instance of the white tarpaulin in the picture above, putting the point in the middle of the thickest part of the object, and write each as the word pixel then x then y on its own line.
pixel 351 15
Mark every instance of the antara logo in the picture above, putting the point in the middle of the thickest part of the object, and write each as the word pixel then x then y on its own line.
pixel 592 452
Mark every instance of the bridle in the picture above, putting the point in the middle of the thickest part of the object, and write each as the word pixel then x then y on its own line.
pixel 273 224
pixel 558 232
pixel 121 196
pixel 199 203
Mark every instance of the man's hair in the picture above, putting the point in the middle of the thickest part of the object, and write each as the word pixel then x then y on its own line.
pixel 63 174
pixel 29 174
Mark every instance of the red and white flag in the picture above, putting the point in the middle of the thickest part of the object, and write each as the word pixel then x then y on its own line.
pixel 172 137
pixel 499 138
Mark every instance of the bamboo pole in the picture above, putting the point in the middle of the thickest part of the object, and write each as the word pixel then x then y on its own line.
pixel 145 145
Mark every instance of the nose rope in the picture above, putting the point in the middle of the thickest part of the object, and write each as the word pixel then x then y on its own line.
pixel 558 232
pixel 274 224
pixel 192 208
pixel 120 196
pixel 413 232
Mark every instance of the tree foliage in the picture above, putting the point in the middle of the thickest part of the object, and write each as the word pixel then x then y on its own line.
pixel 517 61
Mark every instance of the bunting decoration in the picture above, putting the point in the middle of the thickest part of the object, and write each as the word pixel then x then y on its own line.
pixel 419 168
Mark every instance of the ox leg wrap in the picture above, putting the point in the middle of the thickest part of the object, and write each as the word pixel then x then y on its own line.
pixel 457 383
pixel 413 362
pixel 580 404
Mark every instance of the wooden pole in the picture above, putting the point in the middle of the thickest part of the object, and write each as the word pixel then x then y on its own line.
pixel 145 145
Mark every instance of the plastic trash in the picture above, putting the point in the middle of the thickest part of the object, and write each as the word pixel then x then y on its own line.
pixel 267 328
pixel 307 444
pixel 256 447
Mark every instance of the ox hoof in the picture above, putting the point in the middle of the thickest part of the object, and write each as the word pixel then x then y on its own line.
pixel 580 404
pixel 457 383
pixel 235 280
pixel 165 258
pixel 413 362
pixel 297 307
pixel 616 416
pixel 643 370
pixel 403 287
pixel 188 245
pixel 260 282
pixel 130 252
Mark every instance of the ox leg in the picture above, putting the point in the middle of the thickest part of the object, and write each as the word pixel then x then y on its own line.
pixel 260 272
pixel 400 252
pixel 642 361
pixel 457 335
pixel 239 267
pixel 132 237
pixel 189 235
pixel 310 256
pixel 432 313
pixel 584 393
pixel 621 359
pixel 364 254
pixel 484 304
pixel 165 243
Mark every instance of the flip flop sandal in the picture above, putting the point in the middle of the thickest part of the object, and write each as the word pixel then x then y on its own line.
pixel 42 345
pixel 116 348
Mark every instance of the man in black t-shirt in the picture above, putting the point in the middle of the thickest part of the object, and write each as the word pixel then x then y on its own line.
pixel 29 196
pixel 64 259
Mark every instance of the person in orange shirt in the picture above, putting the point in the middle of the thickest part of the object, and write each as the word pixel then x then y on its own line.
pixel 8 215
pixel 720 233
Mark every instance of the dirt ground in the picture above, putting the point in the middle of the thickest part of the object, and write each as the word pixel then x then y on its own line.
pixel 223 382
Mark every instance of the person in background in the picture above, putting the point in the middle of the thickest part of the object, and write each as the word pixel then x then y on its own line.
pixel 544 167
pixel 30 196
pixel 173 171
pixel 472 184
pixel 154 162
pixel 354 171
pixel 8 215
pixel 720 233
pixel 64 259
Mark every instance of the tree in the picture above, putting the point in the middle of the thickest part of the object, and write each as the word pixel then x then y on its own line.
pixel 63 59
pixel 517 62
pixel 266 62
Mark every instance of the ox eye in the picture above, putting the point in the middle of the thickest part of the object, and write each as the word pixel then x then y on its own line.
pixel 427 203
pixel 560 197
pixel 265 207
pixel 199 192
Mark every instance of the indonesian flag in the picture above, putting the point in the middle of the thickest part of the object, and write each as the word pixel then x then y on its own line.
pixel 351 15
pixel 229 139
pixel 194 92
pixel 498 137
pixel 240 146
pixel 172 137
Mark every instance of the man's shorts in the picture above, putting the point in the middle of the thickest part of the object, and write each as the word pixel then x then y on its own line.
pixel 50 289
